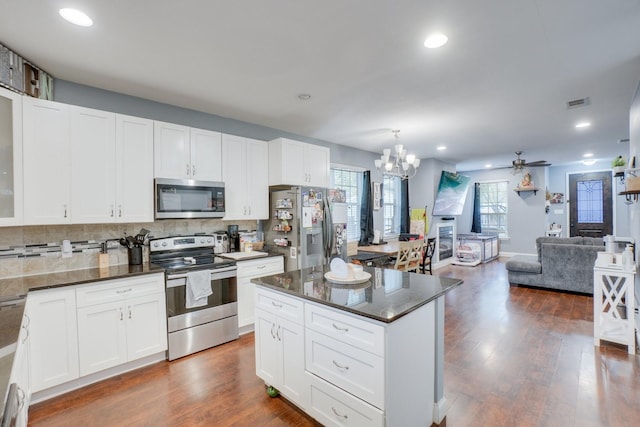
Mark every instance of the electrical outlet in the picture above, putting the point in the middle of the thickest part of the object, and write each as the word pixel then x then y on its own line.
pixel 293 253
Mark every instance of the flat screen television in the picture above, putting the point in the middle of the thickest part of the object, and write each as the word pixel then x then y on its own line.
pixel 452 193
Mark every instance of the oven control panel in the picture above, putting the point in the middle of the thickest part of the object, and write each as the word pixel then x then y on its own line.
pixel 182 242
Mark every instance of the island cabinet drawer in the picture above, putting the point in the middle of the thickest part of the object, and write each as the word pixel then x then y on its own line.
pixel 260 267
pixel 280 304
pixel 116 290
pixel 356 332
pixel 358 372
pixel 332 406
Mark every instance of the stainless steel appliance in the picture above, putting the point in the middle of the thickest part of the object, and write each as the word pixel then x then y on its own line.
pixel 296 228
pixel 222 243
pixel 336 224
pixel 215 322
pixel 186 198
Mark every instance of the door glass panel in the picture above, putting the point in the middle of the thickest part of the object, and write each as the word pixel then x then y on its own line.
pixel 6 158
pixel 590 201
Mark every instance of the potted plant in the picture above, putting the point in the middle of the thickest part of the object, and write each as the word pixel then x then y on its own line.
pixel 618 165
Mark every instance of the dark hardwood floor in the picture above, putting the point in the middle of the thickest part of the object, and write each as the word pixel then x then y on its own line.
pixel 513 357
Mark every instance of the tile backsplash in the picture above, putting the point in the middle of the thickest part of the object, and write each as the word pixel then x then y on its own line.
pixel 33 250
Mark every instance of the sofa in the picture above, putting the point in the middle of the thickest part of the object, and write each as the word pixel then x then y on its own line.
pixel 561 263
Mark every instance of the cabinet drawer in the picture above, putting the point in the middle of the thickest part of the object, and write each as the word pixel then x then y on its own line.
pixel 284 306
pixel 334 407
pixel 356 332
pixel 114 290
pixel 358 372
pixel 260 267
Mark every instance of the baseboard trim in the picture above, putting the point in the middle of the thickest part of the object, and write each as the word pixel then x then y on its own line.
pixel 439 410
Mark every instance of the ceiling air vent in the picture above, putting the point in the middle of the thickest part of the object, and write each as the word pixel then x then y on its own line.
pixel 577 103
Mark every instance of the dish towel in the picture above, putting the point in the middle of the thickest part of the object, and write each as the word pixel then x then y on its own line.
pixel 198 288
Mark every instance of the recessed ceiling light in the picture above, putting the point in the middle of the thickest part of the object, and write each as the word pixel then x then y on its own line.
pixel 76 17
pixel 488 165
pixel 304 97
pixel 583 125
pixel 588 162
pixel 435 40
pixel 587 155
pixel 441 148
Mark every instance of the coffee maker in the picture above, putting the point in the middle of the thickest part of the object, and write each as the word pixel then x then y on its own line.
pixel 234 238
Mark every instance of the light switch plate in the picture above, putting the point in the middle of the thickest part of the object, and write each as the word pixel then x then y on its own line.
pixel 293 253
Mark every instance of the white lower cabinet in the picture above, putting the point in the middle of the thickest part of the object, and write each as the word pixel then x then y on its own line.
pixel 356 371
pixel 53 337
pixel 279 335
pixel 20 373
pixel 251 269
pixel 120 321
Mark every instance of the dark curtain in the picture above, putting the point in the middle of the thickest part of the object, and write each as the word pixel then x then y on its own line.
pixel 366 211
pixel 476 225
pixel 404 206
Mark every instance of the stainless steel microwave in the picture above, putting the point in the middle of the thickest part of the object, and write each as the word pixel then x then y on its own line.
pixel 186 198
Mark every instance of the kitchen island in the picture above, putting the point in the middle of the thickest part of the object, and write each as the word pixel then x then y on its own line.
pixel 369 353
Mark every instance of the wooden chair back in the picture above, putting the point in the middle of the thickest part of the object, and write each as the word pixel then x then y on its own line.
pixel 427 255
pixel 409 256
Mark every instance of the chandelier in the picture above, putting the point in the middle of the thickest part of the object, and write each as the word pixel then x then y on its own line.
pixel 402 165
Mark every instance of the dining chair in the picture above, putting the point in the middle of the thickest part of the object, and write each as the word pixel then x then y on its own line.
pixel 409 256
pixel 427 255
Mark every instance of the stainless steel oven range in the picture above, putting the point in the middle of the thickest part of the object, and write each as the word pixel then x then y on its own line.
pixel 209 321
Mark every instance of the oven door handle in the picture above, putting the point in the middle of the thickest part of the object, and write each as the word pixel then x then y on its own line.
pixel 219 274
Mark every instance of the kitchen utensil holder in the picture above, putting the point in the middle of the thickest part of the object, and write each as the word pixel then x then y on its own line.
pixel 135 255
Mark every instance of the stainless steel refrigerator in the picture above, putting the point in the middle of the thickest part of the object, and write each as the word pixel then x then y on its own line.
pixel 300 228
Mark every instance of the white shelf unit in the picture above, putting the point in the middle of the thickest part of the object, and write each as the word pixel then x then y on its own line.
pixel 614 306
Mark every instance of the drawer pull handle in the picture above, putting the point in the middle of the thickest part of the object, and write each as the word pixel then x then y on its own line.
pixel 339 366
pixel 338 414
pixel 123 291
pixel 338 328
pixel 261 267
pixel 275 304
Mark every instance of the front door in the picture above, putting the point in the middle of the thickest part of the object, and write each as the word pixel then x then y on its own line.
pixel 590 204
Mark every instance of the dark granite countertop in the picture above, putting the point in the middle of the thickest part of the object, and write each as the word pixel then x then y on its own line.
pixel 16 288
pixel 387 296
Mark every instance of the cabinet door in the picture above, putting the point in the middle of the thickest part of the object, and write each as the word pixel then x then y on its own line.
pixel 54 337
pixel 246 303
pixel 257 179
pixel 171 155
pixel 134 169
pixel 102 339
pixel 11 160
pixel 317 164
pixel 268 349
pixel 46 162
pixel 293 165
pixel 293 383
pixel 92 166
pixel 206 155
pixel 146 325
pixel 234 173
pixel 20 373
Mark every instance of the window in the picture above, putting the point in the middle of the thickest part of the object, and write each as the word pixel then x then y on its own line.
pixel 351 182
pixel 391 199
pixel 493 207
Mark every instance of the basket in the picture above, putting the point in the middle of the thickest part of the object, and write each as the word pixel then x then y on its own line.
pixel 632 183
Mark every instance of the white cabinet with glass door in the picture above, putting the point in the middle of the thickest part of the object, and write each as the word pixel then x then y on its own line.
pixel 181 152
pixel 245 173
pixel 46 162
pixel 11 159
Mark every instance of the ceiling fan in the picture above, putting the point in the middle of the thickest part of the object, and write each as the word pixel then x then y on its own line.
pixel 520 164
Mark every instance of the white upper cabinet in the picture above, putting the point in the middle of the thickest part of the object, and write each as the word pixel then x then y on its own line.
pixel 10 158
pixel 181 152
pixel 93 158
pixel 134 169
pixel 245 174
pixel 46 164
pixel 298 163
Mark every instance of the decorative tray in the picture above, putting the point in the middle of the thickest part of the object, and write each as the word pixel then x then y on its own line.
pixel 360 277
